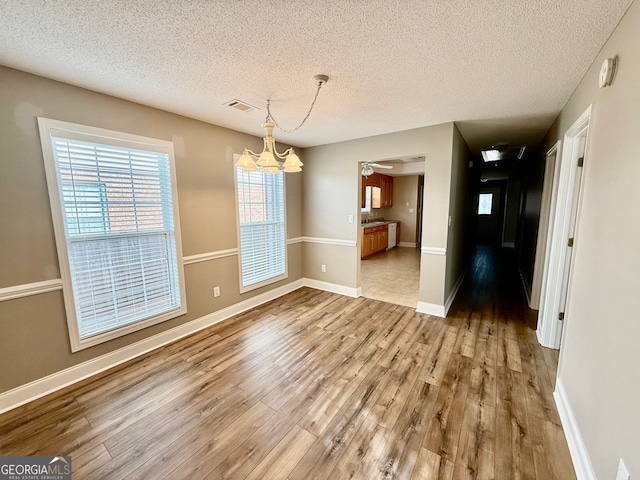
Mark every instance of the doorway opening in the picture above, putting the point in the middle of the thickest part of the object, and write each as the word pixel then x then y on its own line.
pixel 390 229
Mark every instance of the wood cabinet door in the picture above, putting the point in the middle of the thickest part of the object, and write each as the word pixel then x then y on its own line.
pixel 385 187
pixel 397 234
pixel 368 243
pixel 386 190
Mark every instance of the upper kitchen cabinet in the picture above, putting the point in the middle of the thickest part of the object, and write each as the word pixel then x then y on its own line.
pixel 387 191
pixel 384 183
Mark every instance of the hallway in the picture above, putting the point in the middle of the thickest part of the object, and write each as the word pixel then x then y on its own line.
pixel 493 286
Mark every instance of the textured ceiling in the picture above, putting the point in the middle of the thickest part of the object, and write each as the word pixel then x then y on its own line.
pixel 503 68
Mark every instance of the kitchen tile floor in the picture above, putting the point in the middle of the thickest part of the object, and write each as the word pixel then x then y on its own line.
pixel 392 276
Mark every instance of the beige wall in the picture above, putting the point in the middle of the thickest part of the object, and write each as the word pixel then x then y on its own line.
pixel 530 217
pixel 34 340
pixel 405 189
pixel 600 358
pixel 331 193
pixel 511 212
pixel 461 201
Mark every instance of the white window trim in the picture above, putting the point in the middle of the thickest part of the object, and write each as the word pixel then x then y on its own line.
pixel 269 281
pixel 54 128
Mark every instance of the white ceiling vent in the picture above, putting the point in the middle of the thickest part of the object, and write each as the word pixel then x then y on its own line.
pixel 240 105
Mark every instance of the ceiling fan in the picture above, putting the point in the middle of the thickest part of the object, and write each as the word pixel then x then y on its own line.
pixel 367 168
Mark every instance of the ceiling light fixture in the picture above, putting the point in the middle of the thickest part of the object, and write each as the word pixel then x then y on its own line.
pixel 367 168
pixel 491 155
pixel 266 161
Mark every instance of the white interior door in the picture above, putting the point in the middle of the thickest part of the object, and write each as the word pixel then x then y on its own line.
pixel 581 140
pixel 547 214
pixel 557 274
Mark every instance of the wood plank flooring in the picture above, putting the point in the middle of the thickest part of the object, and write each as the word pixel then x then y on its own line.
pixel 315 385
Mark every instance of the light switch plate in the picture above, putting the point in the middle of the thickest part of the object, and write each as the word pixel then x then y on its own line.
pixel 350 218
pixel 623 473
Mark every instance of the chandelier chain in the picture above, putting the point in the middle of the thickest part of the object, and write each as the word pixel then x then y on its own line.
pixel 270 115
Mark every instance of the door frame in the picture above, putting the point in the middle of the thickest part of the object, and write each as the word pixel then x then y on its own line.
pixel 549 326
pixel 547 212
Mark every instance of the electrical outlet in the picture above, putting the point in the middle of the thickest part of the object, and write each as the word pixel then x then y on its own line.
pixel 216 291
pixel 323 268
pixel 411 210
pixel 623 473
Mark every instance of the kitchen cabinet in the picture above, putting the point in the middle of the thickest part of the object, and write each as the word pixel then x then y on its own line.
pixel 385 183
pixel 386 194
pixel 376 197
pixel 373 240
pixel 397 234
pixel 374 180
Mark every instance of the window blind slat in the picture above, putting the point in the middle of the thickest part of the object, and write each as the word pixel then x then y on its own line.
pixel 118 218
pixel 262 226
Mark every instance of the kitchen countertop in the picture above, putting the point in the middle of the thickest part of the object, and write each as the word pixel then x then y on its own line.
pixel 377 223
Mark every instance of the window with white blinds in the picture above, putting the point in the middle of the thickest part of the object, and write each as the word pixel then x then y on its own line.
pixel 262 229
pixel 114 207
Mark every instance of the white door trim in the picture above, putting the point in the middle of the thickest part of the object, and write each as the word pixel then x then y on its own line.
pixel 547 212
pixel 549 327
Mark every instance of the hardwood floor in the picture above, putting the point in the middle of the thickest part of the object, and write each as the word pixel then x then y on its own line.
pixel 314 385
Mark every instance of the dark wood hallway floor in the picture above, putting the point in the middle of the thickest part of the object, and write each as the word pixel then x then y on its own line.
pixel 493 283
pixel 315 385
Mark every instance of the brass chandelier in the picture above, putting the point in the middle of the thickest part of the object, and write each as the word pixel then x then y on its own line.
pixel 266 161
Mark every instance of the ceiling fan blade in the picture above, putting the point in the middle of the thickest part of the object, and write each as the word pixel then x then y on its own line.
pixel 377 165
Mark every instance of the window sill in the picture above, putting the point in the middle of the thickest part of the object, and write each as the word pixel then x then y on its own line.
pixel 78 343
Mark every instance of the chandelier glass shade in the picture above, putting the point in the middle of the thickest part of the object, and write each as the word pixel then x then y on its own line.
pixel 266 161
pixel 367 170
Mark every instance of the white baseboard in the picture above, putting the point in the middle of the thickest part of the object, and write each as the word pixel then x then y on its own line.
pixel 332 287
pixel 442 310
pixel 431 309
pixel 527 288
pixel 579 456
pixel 56 381
pixel 454 292
pixel 408 244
